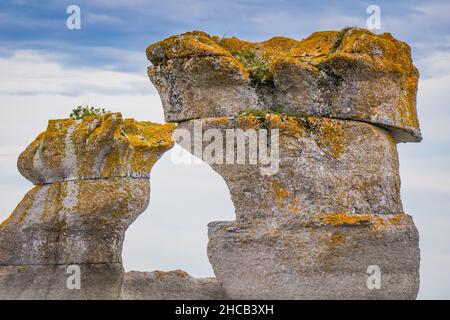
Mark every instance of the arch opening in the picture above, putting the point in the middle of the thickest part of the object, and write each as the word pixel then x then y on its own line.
pixel 171 233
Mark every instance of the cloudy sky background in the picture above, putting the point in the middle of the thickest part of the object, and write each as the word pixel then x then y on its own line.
pixel 46 70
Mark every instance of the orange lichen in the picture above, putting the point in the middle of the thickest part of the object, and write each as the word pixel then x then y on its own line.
pixel 333 240
pixel 379 54
pixel 71 147
pixel 161 274
pixel 190 44
pixel 280 194
pixel 315 48
pixel 376 223
pixel 344 219
pixel 397 219
pixel 6 221
pixel 330 134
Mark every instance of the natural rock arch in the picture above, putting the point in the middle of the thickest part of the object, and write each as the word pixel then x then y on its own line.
pixel 340 102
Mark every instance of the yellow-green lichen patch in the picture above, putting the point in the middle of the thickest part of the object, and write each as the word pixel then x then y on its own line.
pixel 386 54
pixel 330 134
pixel 344 219
pixel 190 44
pixel 133 146
pixel 376 223
pixel 234 45
pixel 98 146
pixel 280 194
pixel 148 134
pixel 315 48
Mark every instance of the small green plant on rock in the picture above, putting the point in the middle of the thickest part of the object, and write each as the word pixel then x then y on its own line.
pixel 257 67
pixel 254 112
pixel 83 111
pixel 339 39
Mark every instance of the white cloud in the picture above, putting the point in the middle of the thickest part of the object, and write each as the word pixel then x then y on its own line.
pixel 428 173
pixel 29 72
pixel 104 19
pixel 10 151
pixel 434 11
pixel 435 64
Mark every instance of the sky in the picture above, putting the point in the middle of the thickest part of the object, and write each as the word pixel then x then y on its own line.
pixel 47 69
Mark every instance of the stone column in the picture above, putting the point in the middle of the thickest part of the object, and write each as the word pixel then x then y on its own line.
pixel 92 182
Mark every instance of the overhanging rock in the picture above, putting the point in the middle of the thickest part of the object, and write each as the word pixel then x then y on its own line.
pixel 352 74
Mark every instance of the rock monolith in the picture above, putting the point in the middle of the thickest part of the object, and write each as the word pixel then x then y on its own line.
pixel 323 219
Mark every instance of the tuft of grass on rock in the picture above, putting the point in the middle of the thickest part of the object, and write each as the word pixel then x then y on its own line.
pixel 337 43
pixel 254 112
pixel 83 111
pixel 257 67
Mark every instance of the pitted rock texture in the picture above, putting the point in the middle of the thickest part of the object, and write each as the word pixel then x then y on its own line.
pixel 73 222
pixel 173 285
pixel 316 257
pixel 326 166
pixel 94 148
pixel 92 182
pixel 352 74
pixel 49 282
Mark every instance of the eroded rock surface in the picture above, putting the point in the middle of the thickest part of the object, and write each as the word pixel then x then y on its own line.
pixel 173 285
pixel 314 227
pixel 95 148
pixel 352 74
pixel 330 213
pixel 325 166
pixel 92 182
pixel 316 257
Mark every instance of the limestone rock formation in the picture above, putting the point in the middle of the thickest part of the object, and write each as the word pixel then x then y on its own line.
pixel 318 208
pixel 325 165
pixel 352 74
pixel 316 257
pixel 92 182
pixel 174 285
pixel 96 148
pixel 330 214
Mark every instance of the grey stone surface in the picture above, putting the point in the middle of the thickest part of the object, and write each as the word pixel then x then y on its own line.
pixel 173 285
pixel 353 74
pixel 326 166
pixel 189 90
pixel 322 257
pixel 92 181
pixel 81 221
pixel 49 282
